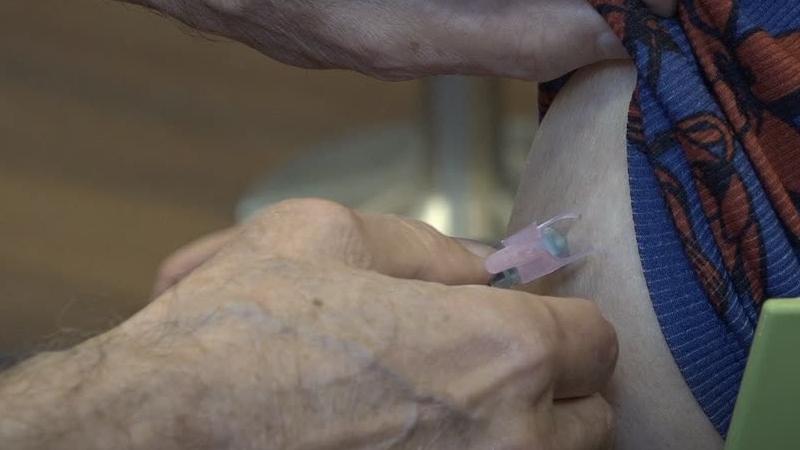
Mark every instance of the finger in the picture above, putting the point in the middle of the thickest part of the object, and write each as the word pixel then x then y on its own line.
pixel 408 248
pixel 585 352
pixel 583 423
pixel 181 263
pixel 477 247
pixel 568 349
pixel 535 40
pixel 315 229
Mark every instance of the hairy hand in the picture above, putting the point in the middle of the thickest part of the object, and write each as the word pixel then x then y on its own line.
pixel 318 327
pixel 401 39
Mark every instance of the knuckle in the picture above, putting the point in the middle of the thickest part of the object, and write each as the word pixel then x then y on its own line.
pixel 308 210
pixel 529 327
pixel 326 218
pixel 606 336
pixel 299 225
pixel 606 339
pixel 429 238
pixel 540 334
pixel 549 331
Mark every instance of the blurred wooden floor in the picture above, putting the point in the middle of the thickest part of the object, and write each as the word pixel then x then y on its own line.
pixel 123 136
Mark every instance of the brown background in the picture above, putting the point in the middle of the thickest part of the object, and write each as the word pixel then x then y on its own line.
pixel 124 135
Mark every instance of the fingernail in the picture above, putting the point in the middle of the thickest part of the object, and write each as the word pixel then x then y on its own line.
pixel 477 248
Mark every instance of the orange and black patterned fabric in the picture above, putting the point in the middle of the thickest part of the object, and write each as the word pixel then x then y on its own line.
pixel 714 169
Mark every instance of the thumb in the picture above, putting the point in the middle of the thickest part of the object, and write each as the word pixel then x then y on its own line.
pixel 315 230
pixel 407 248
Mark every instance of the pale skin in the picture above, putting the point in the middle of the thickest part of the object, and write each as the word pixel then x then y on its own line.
pixel 318 327
pixel 579 152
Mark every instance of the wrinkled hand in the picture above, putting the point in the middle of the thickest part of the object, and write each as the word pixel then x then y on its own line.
pixel 317 327
pixel 317 321
pixel 401 39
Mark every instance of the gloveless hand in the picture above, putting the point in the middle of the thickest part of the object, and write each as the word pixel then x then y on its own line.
pixel 401 39
pixel 318 327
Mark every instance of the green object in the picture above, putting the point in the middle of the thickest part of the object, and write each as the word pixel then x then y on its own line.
pixel 767 412
pixel 555 243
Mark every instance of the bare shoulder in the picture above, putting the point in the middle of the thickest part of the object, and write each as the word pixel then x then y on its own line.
pixel 578 164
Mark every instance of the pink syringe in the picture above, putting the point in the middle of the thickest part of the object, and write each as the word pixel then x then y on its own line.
pixel 535 251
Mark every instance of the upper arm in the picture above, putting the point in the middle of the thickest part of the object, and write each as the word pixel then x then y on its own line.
pixel 579 163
